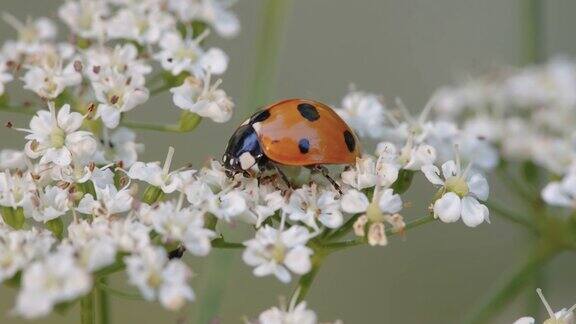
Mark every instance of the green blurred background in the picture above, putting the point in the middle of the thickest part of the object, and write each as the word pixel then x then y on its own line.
pixel 404 48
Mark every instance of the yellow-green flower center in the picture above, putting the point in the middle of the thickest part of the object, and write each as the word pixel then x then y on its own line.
pixel 457 185
pixel 278 252
pixel 57 138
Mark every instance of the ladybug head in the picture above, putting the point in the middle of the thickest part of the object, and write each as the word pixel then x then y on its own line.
pixel 243 151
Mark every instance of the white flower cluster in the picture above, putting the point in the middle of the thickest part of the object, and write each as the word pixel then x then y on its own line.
pixel 528 114
pixel 69 205
pixel 77 203
pixel 407 145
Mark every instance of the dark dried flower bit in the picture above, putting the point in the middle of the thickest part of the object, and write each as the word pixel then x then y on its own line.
pixel 91 166
pixel 114 99
pixel 34 145
pixel 78 66
pixel 120 164
pixel 96 69
pixel 9 124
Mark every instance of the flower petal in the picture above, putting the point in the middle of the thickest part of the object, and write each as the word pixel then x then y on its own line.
pixel 473 212
pixel 448 207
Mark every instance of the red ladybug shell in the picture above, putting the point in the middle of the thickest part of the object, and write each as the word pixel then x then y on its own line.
pixel 302 132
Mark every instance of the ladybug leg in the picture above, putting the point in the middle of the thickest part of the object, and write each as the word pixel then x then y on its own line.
pixel 282 175
pixel 324 171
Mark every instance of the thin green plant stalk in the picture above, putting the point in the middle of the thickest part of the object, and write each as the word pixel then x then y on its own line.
pixel 87 311
pixel 305 282
pixel 103 303
pixel 533 31
pixel 509 287
pixel 274 14
pixel 219 267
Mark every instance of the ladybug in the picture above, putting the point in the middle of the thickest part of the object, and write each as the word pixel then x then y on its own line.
pixel 293 132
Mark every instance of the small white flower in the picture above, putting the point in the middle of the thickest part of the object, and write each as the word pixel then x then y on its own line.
pixel 155 175
pixel 295 314
pixel 120 146
pixel 130 235
pixel 56 279
pixel 215 176
pixel 384 207
pixel 368 173
pixel 410 157
pixel 48 203
pixel 94 245
pixel 122 59
pixel 263 200
pixel 204 99
pixel 55 137
pixel 310 204
pixel 158 278
pixel 118 93
pixel 182 225
pixel 32 32
pixel 85 17
pixel 12 159
pixel 16 190
pixel 561 193
pixel 142 23
pixel 460 194
pixel 364 112
pixel 19 248
pixel 108 201
pixel 49 80
pixel 278 251
pixel 229 205
pixel 179 55
pixel 213 12
pixel 75 172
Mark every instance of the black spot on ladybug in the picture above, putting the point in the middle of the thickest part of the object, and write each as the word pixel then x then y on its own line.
pixel 304 146
pixel 350 141
pixel 261 116
pixel 308 111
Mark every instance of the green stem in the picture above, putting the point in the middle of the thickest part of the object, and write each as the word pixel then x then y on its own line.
pixel 274 13
pixel 151 126
pixel 306 280
pixel 219 267
pixel 87 314
pixel 220 243
pixel 510 215
pixel 18 109
pixel 344 229
pixel 533 31
pixel 103 302
pixel 509 287
pixel 160 89
pixel 522 189
pixel 103 286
